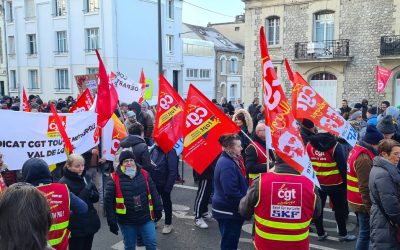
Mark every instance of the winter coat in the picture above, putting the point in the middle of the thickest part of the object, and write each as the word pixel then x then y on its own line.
pixel 139 149
pixel 324 142
pixel 82 186
pixel 230 185
pixel 373 120
pixel 305 135
pixel 166 168
pixel 144 119
pixel 384 181
pixel 251 157
pixel 132 189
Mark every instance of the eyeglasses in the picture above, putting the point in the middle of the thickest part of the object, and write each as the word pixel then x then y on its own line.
pixel 128 160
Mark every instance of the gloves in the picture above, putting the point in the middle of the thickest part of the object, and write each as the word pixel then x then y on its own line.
pixel 157 215
pixel 114 229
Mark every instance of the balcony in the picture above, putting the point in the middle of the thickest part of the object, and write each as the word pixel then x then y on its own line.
pixel 337 50
pixel 390 46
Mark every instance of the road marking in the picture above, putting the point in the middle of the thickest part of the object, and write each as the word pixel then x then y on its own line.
pixel 329 237
pixel 178 207
pixel 185 187
pixel 182 215
pixel 321 247
pixel 120 246
pixel 330 210
pixel 245 240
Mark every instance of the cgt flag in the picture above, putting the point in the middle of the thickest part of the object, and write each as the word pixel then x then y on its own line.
pixel 24 102
pixel 84 102
pixel 382 77
pixel 205 123
pixel 286 138
pixel 61 129
pixel 112 134
pixel 307 103
pixel 169 117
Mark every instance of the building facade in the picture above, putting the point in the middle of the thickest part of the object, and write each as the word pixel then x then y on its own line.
pixel 234 31
pixel 334 44
pixel 49 42
pixel 3 58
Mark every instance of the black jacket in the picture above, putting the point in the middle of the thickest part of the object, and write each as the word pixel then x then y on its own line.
pixel 140 150
pixel 251 157
pixel 305 135
pixel 134 189
pixel 87 223
pixel 166 168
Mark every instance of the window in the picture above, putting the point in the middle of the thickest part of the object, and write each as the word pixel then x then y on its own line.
pixel 59 7
pixel 273 24
pixel 62 79
pixel 223 66
pixel 92 39
pixel 33 79
pixel 13 79
pixel 29 9
pixel 90 71
pixel 11 45
pixel 170 9
pixel 234 66
pixel 323 26
pixel 32 44
pixel 205 73
pixel 170 44
pixel 61 42
pixel 232 92
pixel 92 5
pixel 192 73
pixel 10 14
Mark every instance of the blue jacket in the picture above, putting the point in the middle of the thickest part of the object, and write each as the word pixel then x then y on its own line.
pixel 373 120
pixel 229 187
pixel 166 168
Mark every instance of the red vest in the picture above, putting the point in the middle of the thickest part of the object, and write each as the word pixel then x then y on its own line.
pixel 325 166
pixel 261 159
pixel 353 192
pixel 283 212
pixel 58 198
pixel 120 207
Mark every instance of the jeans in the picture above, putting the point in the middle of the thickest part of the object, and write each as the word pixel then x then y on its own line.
pixel 363 241
pixel 167 204
pixel 146 230
pixel 338 196
pixel 230 233
pixel 81 243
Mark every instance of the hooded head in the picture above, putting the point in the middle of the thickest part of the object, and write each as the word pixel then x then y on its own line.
pixel 136 108
pixel 372 135
pixel 386 125
pixel 36 171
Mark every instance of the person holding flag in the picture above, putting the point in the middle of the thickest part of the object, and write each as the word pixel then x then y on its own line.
pixel 273 229
pixel 330 166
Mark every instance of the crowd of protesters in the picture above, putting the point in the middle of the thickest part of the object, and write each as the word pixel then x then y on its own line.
pixel 137 186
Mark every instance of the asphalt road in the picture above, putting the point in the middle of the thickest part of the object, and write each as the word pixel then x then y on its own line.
pixel 187 236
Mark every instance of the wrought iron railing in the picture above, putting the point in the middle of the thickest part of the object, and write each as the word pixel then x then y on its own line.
pixel 325 49
pixel 390 45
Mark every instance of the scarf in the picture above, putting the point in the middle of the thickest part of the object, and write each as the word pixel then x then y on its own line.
pixel 238 159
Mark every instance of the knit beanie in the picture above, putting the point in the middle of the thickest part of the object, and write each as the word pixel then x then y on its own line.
pixel 386 126
pixel 126 154
pixel 358 105
pixel 354 115
pixel 372 110
pixel 372 135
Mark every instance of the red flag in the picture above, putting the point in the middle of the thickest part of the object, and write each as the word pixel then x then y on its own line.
pixel 289 71
pixel 142 81
pixel 286 138
pixel 169 116
pixel 24 102
pixel 307 103
pixel 61 128
pixel 107 97
pixel 205 123
pixel 84 102
pixel 382 77
pixel 2 184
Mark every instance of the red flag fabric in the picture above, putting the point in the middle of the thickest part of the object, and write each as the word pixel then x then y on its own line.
pixel 2 184
pixel 142 81
pixel 205 123
pixel 107 97
pixel 289 71
pixel 382 77
pixel 286 138
pixel 61 129
pixel 169 116
pixel 24 102
pixel 84 102
pixel 307 103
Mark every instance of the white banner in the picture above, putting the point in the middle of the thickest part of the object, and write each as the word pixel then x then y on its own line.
pixel 128 90
pixel 26 135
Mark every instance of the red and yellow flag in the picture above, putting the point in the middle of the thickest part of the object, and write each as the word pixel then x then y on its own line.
pixel 204 124
pixel 286 138
pixel 84 102
pixel 169 116
pixel 69 148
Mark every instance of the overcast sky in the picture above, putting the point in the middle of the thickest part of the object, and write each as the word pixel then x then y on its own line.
pixel 198 16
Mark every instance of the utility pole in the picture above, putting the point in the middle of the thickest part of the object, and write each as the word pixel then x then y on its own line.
pixel 160 54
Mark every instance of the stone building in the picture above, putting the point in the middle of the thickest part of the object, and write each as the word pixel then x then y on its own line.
pixel 334 44
pixel 234 31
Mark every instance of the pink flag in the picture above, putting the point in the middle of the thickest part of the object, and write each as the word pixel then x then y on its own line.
pixel 382 77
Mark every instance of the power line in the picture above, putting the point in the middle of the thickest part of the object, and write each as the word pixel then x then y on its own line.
pixel 207 9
